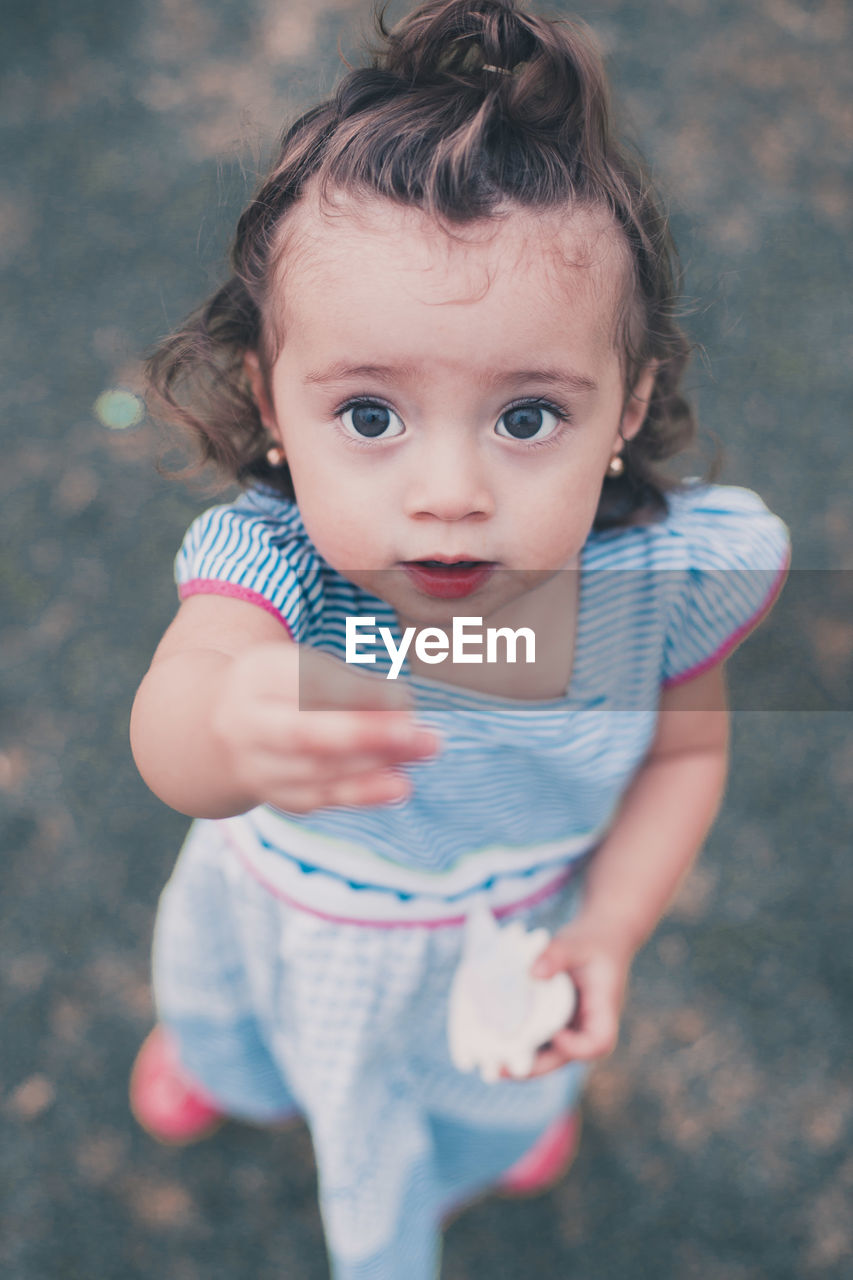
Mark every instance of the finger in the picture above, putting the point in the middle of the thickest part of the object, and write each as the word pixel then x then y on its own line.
pixel 369 789
pixel 556 957
pixel 326 683
pixel 393 735
pixel 589 1041
pixel 548 1059
pixel 328 770
pixel 366 790
pixel 595 1027
pixel 571 1046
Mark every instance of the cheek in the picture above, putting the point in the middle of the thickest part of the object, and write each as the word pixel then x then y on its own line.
pixel 344 530
pixel 561 510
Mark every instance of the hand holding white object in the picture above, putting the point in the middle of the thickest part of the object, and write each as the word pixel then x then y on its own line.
pixel 498 1014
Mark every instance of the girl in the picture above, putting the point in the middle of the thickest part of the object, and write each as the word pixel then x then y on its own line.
pixel 445 370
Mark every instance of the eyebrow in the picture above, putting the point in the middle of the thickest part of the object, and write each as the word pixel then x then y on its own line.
pixel 341 372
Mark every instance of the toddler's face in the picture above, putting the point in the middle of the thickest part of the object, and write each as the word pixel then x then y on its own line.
pixel 442 402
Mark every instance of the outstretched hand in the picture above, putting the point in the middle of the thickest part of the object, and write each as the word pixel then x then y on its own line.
pixel 302 731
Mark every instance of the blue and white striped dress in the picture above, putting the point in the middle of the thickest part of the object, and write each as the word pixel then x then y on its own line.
pixel 303 961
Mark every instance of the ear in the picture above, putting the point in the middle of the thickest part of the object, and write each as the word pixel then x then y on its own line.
pixel 637 404
pixel 260 392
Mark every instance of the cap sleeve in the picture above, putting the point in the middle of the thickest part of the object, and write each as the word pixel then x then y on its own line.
pixel 735 555
pixel 249 553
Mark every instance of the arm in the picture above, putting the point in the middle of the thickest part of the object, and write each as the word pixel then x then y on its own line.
pixel 217 728
pixel 635 873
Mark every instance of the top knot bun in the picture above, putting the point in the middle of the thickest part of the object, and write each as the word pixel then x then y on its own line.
pixel 458 39
pixel 548 74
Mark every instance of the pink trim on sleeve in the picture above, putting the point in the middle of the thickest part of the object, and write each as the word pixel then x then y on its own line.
pixel 732 641
pixel 217 587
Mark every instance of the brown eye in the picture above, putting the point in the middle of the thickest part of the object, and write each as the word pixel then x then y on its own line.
pixel 527 422
pixel 371 421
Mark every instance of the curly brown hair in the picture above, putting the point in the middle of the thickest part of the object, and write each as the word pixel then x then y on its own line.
pixel 465 106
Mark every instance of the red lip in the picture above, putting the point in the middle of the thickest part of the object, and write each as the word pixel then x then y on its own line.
pixel 450 581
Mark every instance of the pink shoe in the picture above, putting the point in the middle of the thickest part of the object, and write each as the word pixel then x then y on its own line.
pixel 546 1161
pixel 164 1099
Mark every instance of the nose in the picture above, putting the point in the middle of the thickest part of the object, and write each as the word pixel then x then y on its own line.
pixel 448 481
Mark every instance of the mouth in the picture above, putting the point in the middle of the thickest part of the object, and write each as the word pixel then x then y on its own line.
pixel 449 579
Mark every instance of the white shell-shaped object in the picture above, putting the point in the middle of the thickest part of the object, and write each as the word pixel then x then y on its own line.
pixel 499 1015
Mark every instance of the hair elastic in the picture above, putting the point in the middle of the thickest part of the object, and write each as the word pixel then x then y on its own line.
pixel 501 71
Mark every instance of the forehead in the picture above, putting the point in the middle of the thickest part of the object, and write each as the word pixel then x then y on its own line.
pixel 362 248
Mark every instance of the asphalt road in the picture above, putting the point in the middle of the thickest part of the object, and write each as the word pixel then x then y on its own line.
pixel 717 1139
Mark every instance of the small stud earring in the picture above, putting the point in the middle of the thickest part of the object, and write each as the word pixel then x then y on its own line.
pixel 275 456
pixel 615 466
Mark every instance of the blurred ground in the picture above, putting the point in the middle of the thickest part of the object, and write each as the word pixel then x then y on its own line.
pixel 717 1139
